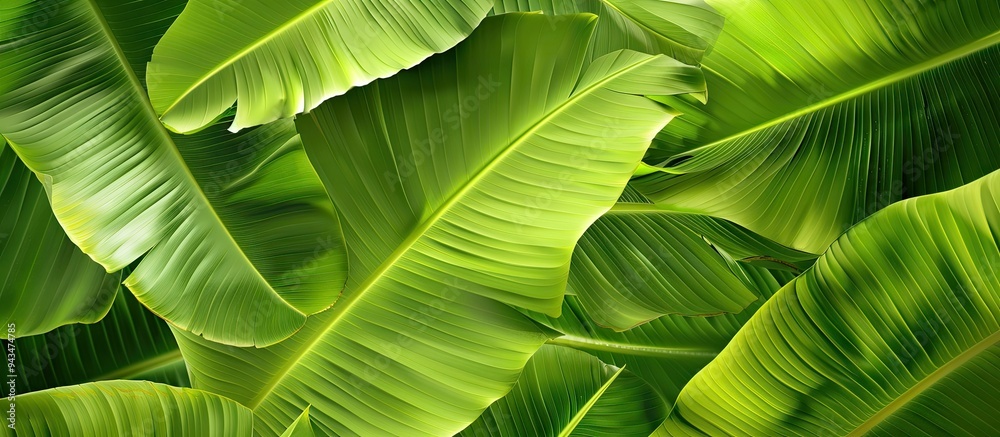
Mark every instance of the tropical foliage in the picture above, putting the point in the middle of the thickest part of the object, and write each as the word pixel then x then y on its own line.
pixel 500 218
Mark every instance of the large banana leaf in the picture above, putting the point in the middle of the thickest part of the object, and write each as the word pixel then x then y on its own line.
pixel 681 29
pixel 127 408
pixel 277 59
pixel 565 392
pixel 45 281
pixel 74 109
pixel 638 262
pixel 129 343
pixel 668 351
pixel 449 213
pixel 467 184
pixel 893 331
pixel 823 114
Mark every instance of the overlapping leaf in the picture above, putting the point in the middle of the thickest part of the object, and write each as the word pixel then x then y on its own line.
pixel 893 331
pixel 565 392
pixel 301 427
pixel 639 262
pixel 668 351
pixel 681 29
pixel 463 185
pixel 128 343
pixel 119 408
pixel 74 109
pixel 45 281
pixel 278 59
pixel 821 115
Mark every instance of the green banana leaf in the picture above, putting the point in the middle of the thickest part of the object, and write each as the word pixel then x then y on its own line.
pixel 301 427
pixel 894 331
pixel 45 281
pixel 127 408
pixel 823 114
pixel 618 289
pixel 278 59
pixel 129 343
pixel 565 392
pixel 668 351
pixel 73 108
pixel 450 214
pixel 681 29
pixel 741 244
pixel 638 262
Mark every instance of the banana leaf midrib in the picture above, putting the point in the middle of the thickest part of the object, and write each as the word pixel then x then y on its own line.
pixel 913 70
pixel 577 342
pixel 629 208
pixel 344 306
pixel 644 208
pixel 279 151
pixel 257 43
pixel 131 371
pixel 925 383
pixel 136 369
pixel 162 132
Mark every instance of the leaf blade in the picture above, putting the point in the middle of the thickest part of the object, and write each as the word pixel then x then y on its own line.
pixel 129 408
pixel 918 119
pixel 886 322
pixel 251 43
pixel 32 248
pixel 77 115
